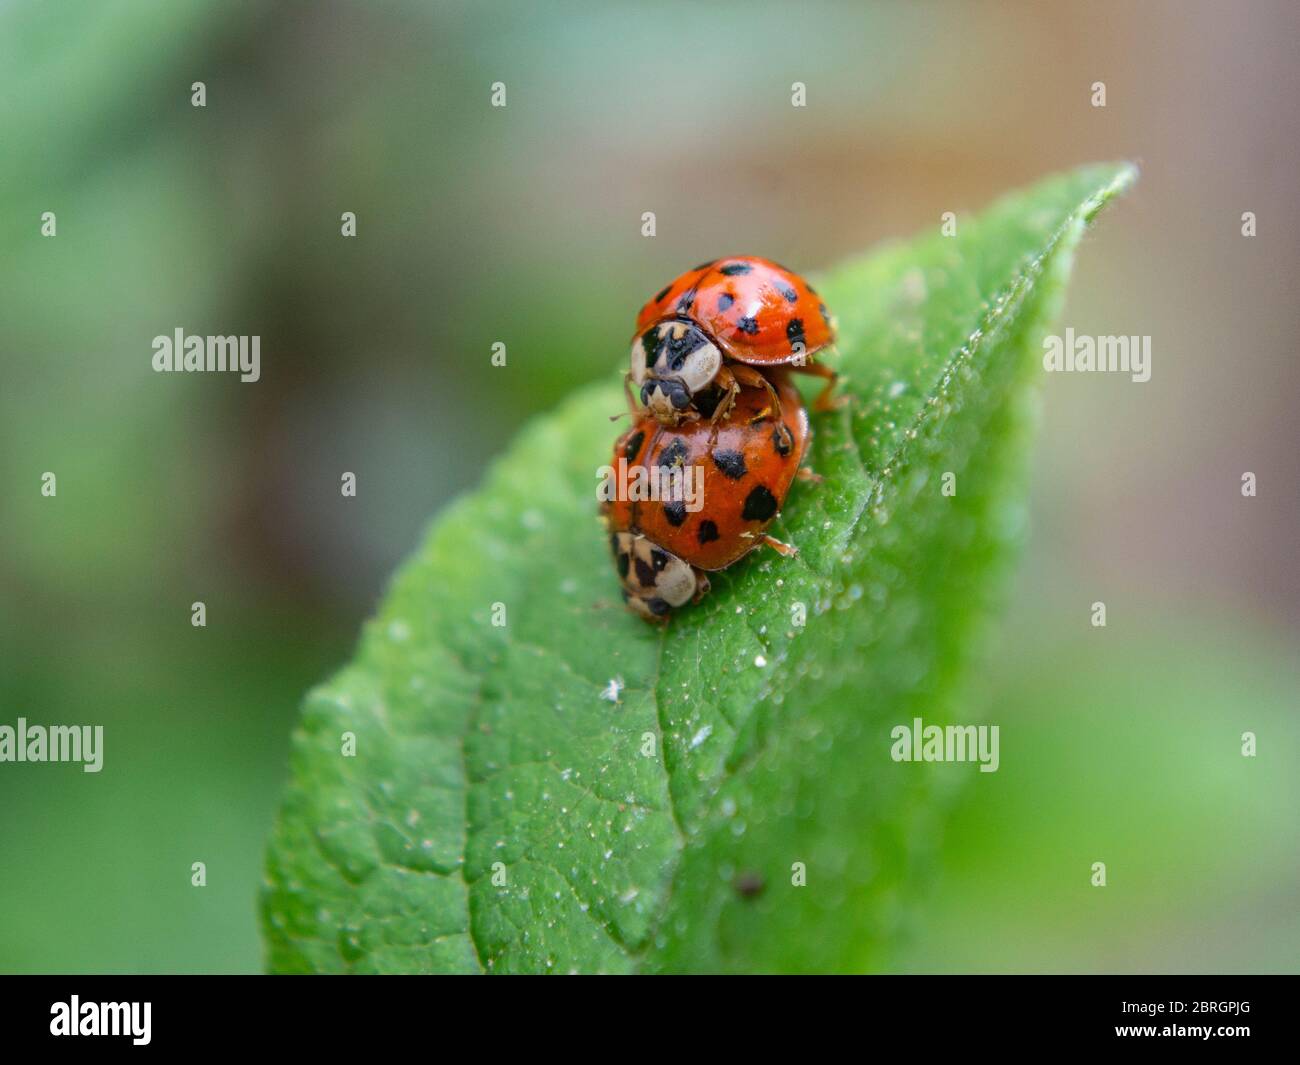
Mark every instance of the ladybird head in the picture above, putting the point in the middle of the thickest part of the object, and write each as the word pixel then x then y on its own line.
pixel 672 361
pixel 655 581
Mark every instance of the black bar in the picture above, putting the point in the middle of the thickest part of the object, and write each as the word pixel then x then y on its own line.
pixel 972 1013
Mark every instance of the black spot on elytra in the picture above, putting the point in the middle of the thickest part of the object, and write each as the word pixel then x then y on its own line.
pixel 624 561
pixel 663 292
pixel 732 269
pixel 659 558
pixel 760 504
pixel 732 463
pixel 794 331
pixel 673 455
pixel 788 292
pixel 675 511
pixel 633 446
pixel 782 440
pixel 725 301
pixel 644 573
pixel 747 325
pixel 708 531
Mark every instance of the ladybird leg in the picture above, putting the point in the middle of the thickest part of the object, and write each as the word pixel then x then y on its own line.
pixel 824 402
pixel 726 378
pixel 631 406
pixel 781 547
pixel 752 378
pixel 627 391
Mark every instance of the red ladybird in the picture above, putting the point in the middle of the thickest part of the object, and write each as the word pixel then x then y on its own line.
pixel 710 332
pixel 744 466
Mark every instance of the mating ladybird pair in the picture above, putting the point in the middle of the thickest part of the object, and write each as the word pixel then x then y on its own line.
pixel 711 364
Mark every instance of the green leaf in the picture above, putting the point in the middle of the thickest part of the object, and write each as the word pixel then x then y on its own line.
pixel 499 814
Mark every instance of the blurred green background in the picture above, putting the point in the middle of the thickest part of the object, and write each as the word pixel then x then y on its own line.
pixel 522 225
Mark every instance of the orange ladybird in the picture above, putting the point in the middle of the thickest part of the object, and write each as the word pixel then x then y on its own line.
pixel 709 333
pixel 742 468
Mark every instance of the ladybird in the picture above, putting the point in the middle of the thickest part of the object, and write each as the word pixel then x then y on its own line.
pixel 709 333
pixel 663 549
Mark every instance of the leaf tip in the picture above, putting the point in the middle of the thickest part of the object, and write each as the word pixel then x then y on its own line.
pixel 1114 180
